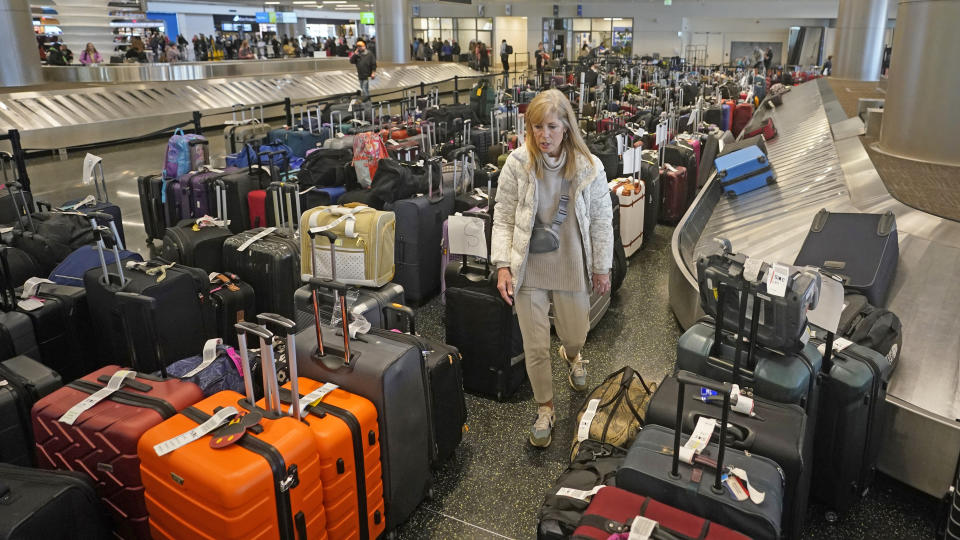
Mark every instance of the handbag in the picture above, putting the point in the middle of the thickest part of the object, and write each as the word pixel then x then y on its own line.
pixel 546 238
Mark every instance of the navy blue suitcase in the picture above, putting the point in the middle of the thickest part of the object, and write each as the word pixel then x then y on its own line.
pixel 71 270
pixel 98 203
pixel 744 171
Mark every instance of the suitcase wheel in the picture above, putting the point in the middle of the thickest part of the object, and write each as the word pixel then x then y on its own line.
pixel 771 180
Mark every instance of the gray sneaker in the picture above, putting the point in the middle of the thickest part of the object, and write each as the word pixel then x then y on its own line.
pixel 540 433
pixel 578 373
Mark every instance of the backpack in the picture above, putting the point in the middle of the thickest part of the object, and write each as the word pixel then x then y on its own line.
pixel 509 49
pixel 872 327
pixel 185 153
pixel 614 411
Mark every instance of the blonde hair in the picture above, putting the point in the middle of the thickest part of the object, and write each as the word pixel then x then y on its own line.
pixel 553 103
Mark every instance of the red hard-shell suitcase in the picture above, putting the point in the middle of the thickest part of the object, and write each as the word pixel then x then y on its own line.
pixel 673 192
pixel 767 129
pixel 257 202
pixel 102 441
pixel 742 114
pixel 613 510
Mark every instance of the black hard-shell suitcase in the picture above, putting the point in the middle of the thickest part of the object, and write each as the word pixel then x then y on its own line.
pixel 233 301
pixel 270 264
pixel 184 312
pixel 850 424
pixel 23 381
pixel 419 233
pixel 650 174
pixel 239 183
pixel 392 375
pixel 652 468
pixel 445 381
pixel 52 505
pixel 862 248
pixel 156 215
pixel 17 335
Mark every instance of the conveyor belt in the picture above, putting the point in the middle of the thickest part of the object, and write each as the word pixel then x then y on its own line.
pixel 61 118
pixel 815 171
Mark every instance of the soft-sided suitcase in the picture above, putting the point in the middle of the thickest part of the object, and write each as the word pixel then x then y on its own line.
pixel 419 223
pixel 595 464
pixel 53 505
pixel 742 114
pixel 673 193
pixel 861 248
pixel 850 422
pixel 96 203
pixel 23 381
pixel 366 244
pixel 767 129
pixel 313 197
pixel 875 328
pixel 151 190
pixel 650 470
pixel 773 430
pixel 445 386
pixel 269 260
pixel 265 484
pixel 101 441
pixel 71 270
pixel 392 375
pixel 213 370
pixel 612 511
pixel 726 114
pixel 631 196
pixel 744 171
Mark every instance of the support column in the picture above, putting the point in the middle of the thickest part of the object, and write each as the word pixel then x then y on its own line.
pixel 859 45
pixel 920 116
pixel 393 30
pixel 21 64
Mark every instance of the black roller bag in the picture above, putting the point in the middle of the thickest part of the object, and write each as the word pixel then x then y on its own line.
pixel 653 468
pixel 200 244
pixel 23 381
pixel 157 216
pixel 861 248
pixel 233 301
pixel 239 183
pixel 52 505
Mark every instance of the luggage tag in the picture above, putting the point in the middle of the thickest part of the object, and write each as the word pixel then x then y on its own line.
pixel 114 384
pixel 756 496
pixel 32 286
pixel 215 421
pixel 698 440
pixel 737 491
pixel 235 429
pixel 777 278
pixel 209 355
pixel 642 528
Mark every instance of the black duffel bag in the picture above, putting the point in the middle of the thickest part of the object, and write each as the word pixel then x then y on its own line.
pixel 324 167
pixel 49 236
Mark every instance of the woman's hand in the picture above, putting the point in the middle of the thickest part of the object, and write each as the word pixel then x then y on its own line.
pixel 505 285
pixel 601 283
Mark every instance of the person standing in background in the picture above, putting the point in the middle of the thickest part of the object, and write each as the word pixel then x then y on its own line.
pixel 505 51
pixel 366 67
pixel 828 66
pixel 90 55
pixel 768 58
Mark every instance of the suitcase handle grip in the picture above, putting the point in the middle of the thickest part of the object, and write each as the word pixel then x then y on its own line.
pixel 287 328
pixel 100 216
pixel 685 378
pixel 403 310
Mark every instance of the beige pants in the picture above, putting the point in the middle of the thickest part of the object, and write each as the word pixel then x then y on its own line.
pixel 572 311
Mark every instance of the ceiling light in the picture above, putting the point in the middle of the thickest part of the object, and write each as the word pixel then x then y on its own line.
pixel 304 2
pixel 271 3
pixel 334 1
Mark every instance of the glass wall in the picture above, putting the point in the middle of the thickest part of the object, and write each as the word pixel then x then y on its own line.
pixel 567 36
pixel 464 30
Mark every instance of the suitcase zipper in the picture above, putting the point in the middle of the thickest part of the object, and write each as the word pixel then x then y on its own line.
pixel 283 479
pixel 164 408
pixel 743 177
pixel 350 420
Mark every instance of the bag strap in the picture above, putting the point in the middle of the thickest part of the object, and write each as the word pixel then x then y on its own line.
pixel 561 214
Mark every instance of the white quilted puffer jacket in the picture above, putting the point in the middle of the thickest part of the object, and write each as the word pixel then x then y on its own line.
pixel 516 212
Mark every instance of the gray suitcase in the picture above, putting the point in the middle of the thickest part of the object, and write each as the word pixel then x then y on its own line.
pixel 653 468
pixel 23 381
pixel 369 304
pixel 392 375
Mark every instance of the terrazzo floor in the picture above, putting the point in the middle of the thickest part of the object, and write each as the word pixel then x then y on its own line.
pixel 494 485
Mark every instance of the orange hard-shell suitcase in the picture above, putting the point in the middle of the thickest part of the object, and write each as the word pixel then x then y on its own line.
pixel 347 435
pixel 264 486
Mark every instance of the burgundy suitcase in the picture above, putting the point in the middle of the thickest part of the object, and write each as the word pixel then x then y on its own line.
pixel 742 114
pixel 102 441
pixel 673 193
pixel 612 511
pixel 767 129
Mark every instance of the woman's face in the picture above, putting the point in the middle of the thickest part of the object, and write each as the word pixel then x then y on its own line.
pixel 549 134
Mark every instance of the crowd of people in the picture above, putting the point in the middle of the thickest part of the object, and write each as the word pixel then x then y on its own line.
pixel 158 47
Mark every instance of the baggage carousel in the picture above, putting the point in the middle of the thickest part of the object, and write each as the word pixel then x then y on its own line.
pixel 85 114
pixel 821 163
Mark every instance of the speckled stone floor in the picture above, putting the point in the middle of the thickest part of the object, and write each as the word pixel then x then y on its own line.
pixel 496 481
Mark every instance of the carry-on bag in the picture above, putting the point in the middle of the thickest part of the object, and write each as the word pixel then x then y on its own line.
pixel 199 242
pixel 71 270
pixel 23 381
pixel 735 489
pixel 744 171
pixel 226 468
pixel 613 412
pixel 17 334
pixel 875 328
pixel 742 114
pixel 269 260
pixel 767 129
pixel 673 192
pixel 233 301
pixel 213 370
pixel 50 236
pixel 862 248
pixel 347 437
pixel 185 153
pixel 631 196
pixel 21 201
pixel 392 375
pixel 366 237
pixel 852 415
pixel 92 425
pixel 239 183
pixel 680 153
pixel 594 464
pixel 153 190
pixel 100 202
pixel 613 511
pixel 53 505
pixel 650 175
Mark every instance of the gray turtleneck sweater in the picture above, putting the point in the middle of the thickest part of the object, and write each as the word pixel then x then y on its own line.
pixel 563 269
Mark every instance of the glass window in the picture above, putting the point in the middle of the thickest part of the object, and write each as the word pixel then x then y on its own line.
pixel 466 24
pixel 485 37
pixel 434 23
pixel 419 23
pixel 581 24
pixel 484 24
pixel 601 25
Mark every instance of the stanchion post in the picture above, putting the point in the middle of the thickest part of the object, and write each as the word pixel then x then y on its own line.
pixel 456 89
pixel 288 109
pixel 196 123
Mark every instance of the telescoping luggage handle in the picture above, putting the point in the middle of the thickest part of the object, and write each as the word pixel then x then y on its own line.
pixel 107 237
pixel 16 188
pixel 685 378
pixel 268 367
pixel 148 308
pixel 340 292
pixel 284 326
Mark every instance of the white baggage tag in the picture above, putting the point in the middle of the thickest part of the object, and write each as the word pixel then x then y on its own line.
pixel 30 304
pixel 32 285
pixel 114 384
pixel 316 396
pixel 621 143
pixel 699 439
pixel 642 528
pixel 839 344
pixel 756 496
pixel 579 493
pixel 629 162
pixel 777 278
pixel 89 162
pixel 583 430
pixel 215 421
pixel 209 355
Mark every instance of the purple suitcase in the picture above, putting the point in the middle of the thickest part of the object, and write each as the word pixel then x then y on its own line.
pixel 201 188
